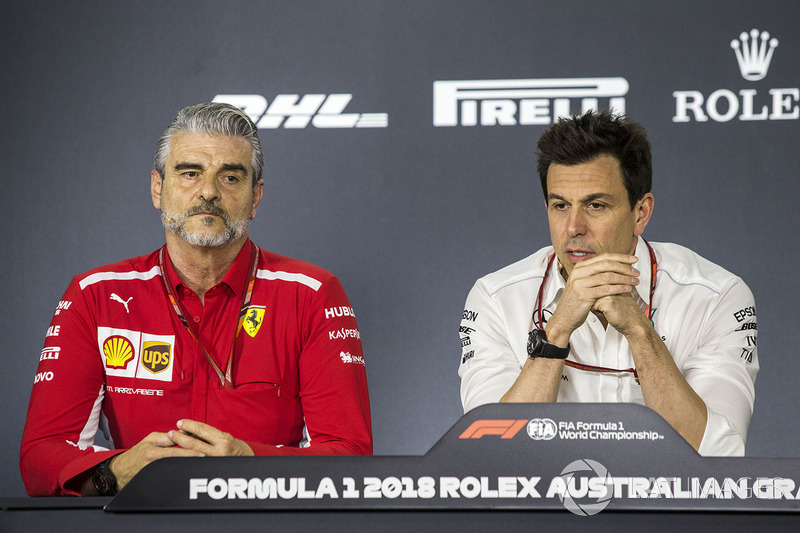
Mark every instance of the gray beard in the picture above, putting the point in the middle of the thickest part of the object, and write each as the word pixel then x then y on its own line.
pixel 234 228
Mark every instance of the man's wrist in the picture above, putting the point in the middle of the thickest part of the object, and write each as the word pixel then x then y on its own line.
pixel 104 480
pixel 638 329
pixel 556 336
pixel 539 346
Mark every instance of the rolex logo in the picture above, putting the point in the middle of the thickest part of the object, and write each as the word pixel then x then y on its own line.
pixel 753 51
pixel 754 54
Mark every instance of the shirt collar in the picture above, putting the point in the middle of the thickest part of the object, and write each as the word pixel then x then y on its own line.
pixel 556 284
pixel 642 293
pixel 235 278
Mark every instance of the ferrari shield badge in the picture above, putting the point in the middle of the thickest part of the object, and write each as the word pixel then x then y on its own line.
pixel 253 320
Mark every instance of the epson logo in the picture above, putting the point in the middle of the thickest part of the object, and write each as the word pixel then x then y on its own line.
pixel 294 111
pixel 523 102
pixel 753 52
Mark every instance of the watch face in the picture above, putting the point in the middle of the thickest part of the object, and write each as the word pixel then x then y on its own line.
pixel 104 480
pixel 535 342
pixel 100 483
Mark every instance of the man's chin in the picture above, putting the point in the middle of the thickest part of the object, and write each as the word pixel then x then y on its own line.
pixel 207 241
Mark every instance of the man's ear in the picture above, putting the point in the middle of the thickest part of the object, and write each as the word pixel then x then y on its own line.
pixel 156 182
pixel 643 211
pixel 258 194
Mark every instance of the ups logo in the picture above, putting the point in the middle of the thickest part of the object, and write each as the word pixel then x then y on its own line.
pixel 156 356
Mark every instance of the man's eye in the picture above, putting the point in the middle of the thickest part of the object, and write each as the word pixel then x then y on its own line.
pixel 231 179
pixel 190 174
pixel 595 206
pixel 559 206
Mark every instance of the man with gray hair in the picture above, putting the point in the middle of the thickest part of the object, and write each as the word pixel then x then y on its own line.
pixel 209 346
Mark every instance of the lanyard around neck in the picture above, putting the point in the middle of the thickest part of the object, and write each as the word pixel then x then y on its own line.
pixel 226 380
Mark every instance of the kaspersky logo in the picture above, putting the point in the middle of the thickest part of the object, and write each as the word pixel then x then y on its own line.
pixel 294 111
pixel 753 51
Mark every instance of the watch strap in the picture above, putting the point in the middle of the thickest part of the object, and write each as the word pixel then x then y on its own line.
pixel 103 479
pixel 551 351
pixel 539 347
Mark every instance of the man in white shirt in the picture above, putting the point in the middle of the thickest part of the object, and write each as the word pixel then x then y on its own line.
pixel 604 316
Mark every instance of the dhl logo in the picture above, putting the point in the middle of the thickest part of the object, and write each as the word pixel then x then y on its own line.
pixel 118 351
pixel 506 429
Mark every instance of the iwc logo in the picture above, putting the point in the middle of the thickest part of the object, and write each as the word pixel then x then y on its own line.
pixel 542 429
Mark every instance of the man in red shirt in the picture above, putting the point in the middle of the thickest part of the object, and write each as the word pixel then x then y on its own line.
pixel 209 346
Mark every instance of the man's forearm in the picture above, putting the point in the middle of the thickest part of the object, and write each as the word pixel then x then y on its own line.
pixel 538 382
pixel 540 378
pixel 664 388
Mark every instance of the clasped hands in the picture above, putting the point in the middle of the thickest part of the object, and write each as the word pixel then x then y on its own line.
pixel 602 284
pixel 191 439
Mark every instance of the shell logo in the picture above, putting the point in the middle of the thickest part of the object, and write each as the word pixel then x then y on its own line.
pixel 118 351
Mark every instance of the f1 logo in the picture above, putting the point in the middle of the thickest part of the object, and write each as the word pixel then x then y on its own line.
pixel 505 428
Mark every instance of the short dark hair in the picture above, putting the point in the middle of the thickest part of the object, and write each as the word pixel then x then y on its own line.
pixel 582 138
pixel 212 118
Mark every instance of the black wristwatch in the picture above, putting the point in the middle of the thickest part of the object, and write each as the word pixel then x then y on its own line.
pixel 104 479
pixel 539 347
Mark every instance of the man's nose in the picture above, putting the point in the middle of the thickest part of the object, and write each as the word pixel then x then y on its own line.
pixel 576 224
pixel 209 188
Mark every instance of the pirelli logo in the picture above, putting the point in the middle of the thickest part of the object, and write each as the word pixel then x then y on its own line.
pixel 523 102
pixel 505 429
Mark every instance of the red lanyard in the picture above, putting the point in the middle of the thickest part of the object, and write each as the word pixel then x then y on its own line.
pixel 648 311
pixel 226 382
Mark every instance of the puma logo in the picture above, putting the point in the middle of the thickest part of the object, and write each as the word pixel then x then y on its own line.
pixel 120 300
